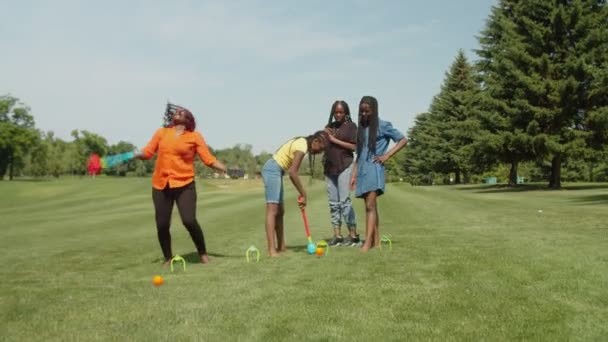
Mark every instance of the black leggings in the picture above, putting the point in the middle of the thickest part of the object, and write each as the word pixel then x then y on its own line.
pixel 185 197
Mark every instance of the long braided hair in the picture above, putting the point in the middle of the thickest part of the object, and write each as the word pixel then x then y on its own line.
pixel 322 135
pixel 331 120
pixel 344 105
pixel 171 110
pixel 372 124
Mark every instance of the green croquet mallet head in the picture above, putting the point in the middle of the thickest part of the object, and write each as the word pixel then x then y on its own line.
pixel 387 240
pixel 323 244
pixel 178 258
pixel 251 250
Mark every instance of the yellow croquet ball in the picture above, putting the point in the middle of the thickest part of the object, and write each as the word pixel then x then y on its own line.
pixel 157 280
pixel 319 251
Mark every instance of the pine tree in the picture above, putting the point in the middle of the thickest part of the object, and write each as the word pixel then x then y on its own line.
pixel 420 155
pixel 441 139
pixel 454 111
pixel 537 62
pixel 504 137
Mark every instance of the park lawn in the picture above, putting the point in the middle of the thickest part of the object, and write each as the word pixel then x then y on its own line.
pixel 467 263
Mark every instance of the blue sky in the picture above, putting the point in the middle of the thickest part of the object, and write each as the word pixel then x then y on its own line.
pixel 257 72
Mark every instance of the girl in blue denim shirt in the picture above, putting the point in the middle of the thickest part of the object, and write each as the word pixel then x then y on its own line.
pixel 373 138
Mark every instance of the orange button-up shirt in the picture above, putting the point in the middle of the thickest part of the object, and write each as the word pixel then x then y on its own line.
pixel 175 161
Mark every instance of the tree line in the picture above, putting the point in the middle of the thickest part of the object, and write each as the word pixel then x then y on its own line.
pixel 534 105
pixel 28 151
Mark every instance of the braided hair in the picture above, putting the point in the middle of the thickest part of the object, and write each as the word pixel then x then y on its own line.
pixel 170 112
pixel 344 105
pixel 321 135
pixel 372 124
pixel 331 119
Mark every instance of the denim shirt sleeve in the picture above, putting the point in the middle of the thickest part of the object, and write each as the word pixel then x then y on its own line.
pixel 387 130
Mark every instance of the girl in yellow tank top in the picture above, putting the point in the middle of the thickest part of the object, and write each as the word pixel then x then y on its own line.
pixel 287 159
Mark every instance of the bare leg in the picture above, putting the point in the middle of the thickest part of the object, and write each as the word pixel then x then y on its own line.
pixel 366 219
pixel 337 231
pixel 371 219
pixel 352 232
pixel 272 210
pixel 377 230
pixel 279 229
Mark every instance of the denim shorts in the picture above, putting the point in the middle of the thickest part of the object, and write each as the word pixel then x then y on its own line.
pixel 272 174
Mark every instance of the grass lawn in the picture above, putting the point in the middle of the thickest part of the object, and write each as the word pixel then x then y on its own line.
pixel 468 263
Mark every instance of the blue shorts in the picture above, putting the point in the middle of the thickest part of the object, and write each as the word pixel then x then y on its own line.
pixel 272 174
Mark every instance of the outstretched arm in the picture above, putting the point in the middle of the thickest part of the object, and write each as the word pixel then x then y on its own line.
pixel 219 166
pixel 150 149
pixel 208 159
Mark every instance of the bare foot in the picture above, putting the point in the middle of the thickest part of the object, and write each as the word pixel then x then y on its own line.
pixel 204 259
pixel 166 263
pixel 282 249
pixel 365 248
pixel 273 254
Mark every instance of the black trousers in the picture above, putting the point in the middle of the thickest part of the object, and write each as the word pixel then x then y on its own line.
pixel 185 197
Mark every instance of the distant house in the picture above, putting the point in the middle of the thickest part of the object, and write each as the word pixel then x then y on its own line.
pixel 236 172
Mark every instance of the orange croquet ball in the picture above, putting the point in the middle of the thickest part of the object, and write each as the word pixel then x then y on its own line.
pixel 319 251
pixel 157 280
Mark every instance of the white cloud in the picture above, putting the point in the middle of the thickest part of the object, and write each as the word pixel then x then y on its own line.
pixel 245 31
pixel 106 67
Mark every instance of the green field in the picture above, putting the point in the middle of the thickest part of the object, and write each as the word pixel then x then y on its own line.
pixel 468 263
